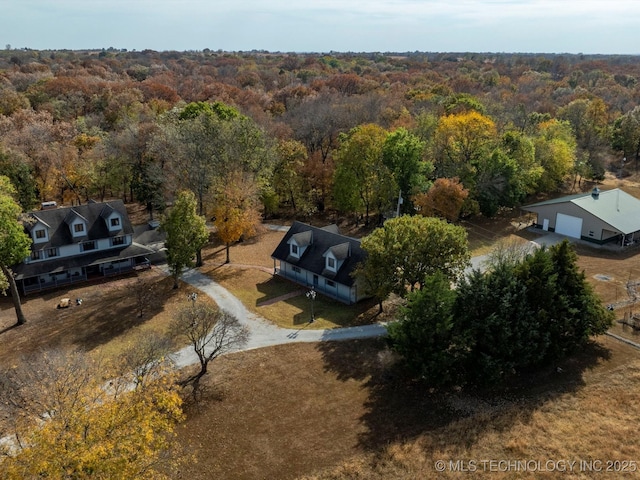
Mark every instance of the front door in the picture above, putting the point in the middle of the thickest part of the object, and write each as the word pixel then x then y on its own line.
pixel 315 280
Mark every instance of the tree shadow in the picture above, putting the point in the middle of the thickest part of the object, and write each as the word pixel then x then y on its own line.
pixel 109 316
pixel 401 409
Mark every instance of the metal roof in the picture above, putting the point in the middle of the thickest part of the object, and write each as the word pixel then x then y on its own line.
pixel 615 207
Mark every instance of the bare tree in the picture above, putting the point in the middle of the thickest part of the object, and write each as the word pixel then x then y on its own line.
pixel 143 290
pixel 146 358
pixel 210 331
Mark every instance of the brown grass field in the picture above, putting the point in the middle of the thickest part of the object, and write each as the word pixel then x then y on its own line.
pixel 343 409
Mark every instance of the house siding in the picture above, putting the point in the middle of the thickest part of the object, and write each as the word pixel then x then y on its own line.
pixel 337 291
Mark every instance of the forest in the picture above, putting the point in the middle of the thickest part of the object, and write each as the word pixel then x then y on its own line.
pixel 256 134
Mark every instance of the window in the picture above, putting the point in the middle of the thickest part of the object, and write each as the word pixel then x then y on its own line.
pixel 331 263
pixel 591 234
pixel 37 255
pixel 86 246
pixel 78 227
pixel 330 283
pixel 52 252
pixel 41 233
pixel 294 249
pixel 117 241
pixel 115 222
pixel 296 269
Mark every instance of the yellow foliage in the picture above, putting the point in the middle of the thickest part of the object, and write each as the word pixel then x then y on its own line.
pixel 78 426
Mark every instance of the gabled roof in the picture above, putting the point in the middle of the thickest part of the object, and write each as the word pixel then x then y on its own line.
pixel 303 239
pixel 340 252
pixel 614 207
pixel 59 233
pixel 313 259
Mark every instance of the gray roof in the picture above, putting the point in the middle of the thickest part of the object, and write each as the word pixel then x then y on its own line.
pixel 59 233
pixel 323 240
pixel 615 207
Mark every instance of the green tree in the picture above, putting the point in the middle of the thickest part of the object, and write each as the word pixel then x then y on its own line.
pixel 402 154
pixel 402 252
pixel 14 243
pixel 186 233
pixel 362 181
pixel 424 332
pixel 288 179
pixel 22 179
pixel 496 327
pixel 625 136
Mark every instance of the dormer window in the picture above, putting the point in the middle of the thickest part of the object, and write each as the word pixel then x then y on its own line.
pixel 299 242
pixel 39 230
pixel 112 218
pixel 331 263
pixel 77 224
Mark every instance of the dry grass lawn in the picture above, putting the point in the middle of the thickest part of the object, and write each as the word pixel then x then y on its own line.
pixel 342 409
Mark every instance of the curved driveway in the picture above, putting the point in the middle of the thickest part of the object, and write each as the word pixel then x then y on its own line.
pixel 261 332
pixel 264 334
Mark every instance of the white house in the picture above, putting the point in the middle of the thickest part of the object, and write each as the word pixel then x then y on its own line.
pixel 72 244
pixel 322 259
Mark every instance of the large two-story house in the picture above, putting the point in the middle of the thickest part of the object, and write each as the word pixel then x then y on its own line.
pixel 322 259
pixel 72 244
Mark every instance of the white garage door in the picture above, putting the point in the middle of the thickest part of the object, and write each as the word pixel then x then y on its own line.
pixel 568 225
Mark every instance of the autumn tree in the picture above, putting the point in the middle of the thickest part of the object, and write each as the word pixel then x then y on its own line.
pixel 14 243
pixel 70 423
pixel 445 199
pixel 236 211
pixel 461 142
pixel 625 135
pixel 211 332
pixel 186 233
pixel 555 150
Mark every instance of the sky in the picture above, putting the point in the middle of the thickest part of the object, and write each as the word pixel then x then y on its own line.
pixel 521 26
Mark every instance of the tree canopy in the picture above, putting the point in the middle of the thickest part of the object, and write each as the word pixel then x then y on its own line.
pixel 406 249
pixel 14 242
pixel 523 313
pixel 186 233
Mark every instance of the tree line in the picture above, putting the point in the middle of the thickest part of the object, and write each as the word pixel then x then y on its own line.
pixel 300 134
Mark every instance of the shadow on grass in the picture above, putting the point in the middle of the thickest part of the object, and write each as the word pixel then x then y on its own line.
pixel 109 316
pixel 401 409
